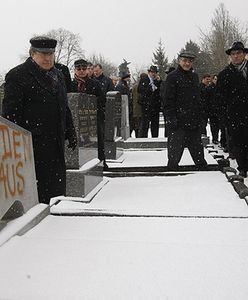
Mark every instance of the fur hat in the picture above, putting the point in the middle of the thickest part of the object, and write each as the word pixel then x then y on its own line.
pixel 43 44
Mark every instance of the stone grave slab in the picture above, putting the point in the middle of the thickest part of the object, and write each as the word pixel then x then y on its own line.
pixel 18 190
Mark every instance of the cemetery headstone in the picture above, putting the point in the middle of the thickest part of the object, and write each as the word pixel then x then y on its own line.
pixel 84 170
pixel 125 128
pixel 18 190
pixel 113 139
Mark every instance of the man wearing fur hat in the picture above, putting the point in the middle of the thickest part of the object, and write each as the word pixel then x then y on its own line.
pixel 232 92
pixel 35 98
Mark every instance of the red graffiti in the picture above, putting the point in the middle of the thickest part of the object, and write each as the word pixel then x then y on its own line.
pixel 15 155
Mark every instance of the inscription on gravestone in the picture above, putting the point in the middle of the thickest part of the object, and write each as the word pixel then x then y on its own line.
pixel 84 113
pixel 17 173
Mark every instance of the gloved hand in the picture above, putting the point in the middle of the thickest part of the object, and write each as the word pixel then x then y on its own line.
pixel 72 142
pixel 172 123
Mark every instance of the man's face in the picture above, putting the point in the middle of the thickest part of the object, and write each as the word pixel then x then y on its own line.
pixel 44 60
pixel 237 56
pixel 186 63
pixel 90 70
pixel 81 71
pixel 152 74
pixel 98 71
pixel 206 80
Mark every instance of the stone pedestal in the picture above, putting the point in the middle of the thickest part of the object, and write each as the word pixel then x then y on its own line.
pixel 113 139
pixel 125 128
pixel 84 170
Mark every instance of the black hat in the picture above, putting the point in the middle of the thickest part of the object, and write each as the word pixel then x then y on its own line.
pixel 43 44
pixel 153 69
pixel 187 54
pixel 237 46
pixel 80 63
pixel 170 69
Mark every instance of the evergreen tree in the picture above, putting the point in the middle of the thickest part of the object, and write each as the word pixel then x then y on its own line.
pixel 160 60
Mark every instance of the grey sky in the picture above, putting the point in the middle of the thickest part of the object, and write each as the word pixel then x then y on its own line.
pixel 115 28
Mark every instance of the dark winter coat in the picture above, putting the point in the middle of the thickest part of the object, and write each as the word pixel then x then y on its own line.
pixel 67 76
pixel 149 99
pixel 181 102
pixel 232 93
pixel 105 83
pixel 37 103
pixel 212 106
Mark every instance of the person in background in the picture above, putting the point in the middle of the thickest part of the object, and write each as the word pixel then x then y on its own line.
pixel 162 93
pixel 67 76
pixel 232 90
pixel 35 98
pixel 90 69
pixel 149 90
pixel 82 83
pixel 115 80
pixel 124 89
pixel 213 110
pixel 137 112
pixel 205 82
pixel 105 82
pixel 181 103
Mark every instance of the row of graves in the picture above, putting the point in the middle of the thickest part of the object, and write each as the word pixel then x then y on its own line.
pixel 18 192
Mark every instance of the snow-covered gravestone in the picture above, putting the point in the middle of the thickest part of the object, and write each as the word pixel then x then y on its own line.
pixel 113 140
pixel 84 170
pixel 125 128
pixel 18 189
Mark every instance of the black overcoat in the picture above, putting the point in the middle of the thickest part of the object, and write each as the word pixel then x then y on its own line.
pixel 33 101
pixel 232 94
pixel 181 100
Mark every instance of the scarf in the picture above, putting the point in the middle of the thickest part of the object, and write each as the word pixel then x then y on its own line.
pixel 81 84
pixel 242 68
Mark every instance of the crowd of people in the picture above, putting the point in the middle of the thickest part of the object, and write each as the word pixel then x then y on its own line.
pixel 35 97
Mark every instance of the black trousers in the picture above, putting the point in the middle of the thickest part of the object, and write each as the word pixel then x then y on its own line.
pixel 49 167
pixel 150 115
pixel 180 138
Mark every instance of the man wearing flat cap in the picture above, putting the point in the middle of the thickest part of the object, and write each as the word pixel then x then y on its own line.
pixel 82 83
pixel 35 98
pixel 181 104
pixel 232 93
pixel 149 90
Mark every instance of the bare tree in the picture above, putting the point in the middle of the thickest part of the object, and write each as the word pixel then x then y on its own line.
pixel 68 47
pixel 108 67
pixel 223 32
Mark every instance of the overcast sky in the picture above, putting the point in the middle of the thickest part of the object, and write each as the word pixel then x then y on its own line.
pixel 117 29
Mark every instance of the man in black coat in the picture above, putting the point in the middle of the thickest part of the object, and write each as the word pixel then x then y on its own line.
pixel 149 90
pixel 123 87
pixel 181 104
pixel 82 83
pixel 35 98
pixel 232 90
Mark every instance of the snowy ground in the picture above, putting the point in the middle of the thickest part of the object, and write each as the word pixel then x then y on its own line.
pixel 181 237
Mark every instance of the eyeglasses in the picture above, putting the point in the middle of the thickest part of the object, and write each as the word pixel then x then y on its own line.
pixel 81 68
